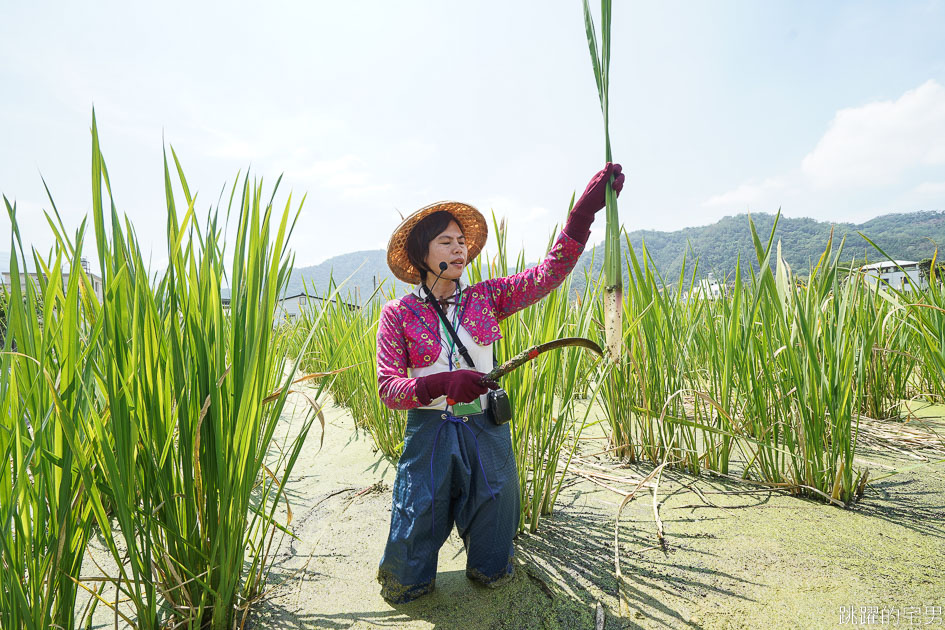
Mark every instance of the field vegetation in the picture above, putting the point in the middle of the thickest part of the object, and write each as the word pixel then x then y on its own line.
pixel 767 382
pixel 147 419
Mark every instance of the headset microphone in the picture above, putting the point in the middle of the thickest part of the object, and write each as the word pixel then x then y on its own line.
pixel 443 267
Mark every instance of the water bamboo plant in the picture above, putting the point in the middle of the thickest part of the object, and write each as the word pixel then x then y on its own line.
pixel 185 445
pixel 158 404
pixel 344 329
pixel 773 370
pixel 613 289
pixel 47 400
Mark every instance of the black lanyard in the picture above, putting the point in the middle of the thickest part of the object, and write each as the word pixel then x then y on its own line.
pixel 449 327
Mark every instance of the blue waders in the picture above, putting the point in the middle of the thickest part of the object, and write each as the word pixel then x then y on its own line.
pixel 451 470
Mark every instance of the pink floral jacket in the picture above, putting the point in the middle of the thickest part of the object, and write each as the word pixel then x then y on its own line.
pixel 403 337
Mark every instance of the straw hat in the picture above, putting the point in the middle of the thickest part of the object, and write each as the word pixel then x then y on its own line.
pixel 475 229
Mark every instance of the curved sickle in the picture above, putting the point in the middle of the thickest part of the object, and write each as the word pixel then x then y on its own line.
pixel 522 358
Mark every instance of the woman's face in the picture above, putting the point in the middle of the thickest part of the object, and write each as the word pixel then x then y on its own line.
pixel 449 246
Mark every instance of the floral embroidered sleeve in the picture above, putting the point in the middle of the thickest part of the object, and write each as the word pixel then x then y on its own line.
pixel 396 389
pixel 515 292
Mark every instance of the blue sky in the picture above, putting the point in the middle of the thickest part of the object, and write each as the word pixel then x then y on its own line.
pixel 832 110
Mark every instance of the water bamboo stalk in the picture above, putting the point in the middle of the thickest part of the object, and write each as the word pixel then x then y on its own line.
pixel 613 289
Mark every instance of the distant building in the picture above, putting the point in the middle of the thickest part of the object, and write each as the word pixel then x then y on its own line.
pixel 290 308
pixel 902 275
pixel 707 289
pixel 7 280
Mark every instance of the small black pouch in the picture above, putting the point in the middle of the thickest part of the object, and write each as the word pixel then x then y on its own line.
pixel 500 407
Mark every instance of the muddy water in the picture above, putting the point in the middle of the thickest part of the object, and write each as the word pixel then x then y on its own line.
pixel 733 558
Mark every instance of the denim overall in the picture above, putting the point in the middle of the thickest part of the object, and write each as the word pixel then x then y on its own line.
pixel 453 470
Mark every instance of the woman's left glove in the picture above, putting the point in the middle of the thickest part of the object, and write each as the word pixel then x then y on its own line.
pixel 458 386
pixel 582 214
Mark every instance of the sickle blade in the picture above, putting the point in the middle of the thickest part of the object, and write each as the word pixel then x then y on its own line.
pixel 524 357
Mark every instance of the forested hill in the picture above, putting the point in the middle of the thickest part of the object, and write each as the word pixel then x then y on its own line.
pixel 717 246
pixel 360 271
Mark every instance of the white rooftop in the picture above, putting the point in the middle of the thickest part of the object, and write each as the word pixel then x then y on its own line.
pixel 887 264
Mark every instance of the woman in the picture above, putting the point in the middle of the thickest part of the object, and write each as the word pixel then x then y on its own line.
pixel 457 464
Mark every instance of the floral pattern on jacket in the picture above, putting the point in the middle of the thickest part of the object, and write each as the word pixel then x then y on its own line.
pixel 408 329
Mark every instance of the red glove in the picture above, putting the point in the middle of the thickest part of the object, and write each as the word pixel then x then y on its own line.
pixel 461 386
pixel 582 214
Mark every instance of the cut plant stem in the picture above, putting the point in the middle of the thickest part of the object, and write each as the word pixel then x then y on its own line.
pixel 613 324
pixel 613 289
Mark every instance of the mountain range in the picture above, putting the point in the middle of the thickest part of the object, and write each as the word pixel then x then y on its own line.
pixel 717 247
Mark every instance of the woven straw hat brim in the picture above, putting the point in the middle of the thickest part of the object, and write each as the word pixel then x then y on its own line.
pixel 475 229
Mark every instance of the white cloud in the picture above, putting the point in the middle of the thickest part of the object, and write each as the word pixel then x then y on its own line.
pixel 875 144
pixel 347 177
pixel 930 189
pixel 528 226
pixel 749 194
pixel 275 135
pixel 231 147
pixel 517 212
pixel 872 159
pixel 342 172
pixel 414 151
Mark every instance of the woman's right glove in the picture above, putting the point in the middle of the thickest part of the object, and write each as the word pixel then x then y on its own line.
pixel 461 386
pixel 582 214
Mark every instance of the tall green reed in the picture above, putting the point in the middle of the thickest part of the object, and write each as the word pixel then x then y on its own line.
pixel 891 368
pixel 922 315
pixel 347 333
pixel 643 390
pixel 927 316
pixel 773 370
pixel 824 360
pixel 191 412
pixel 47 398
pixel 157 403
